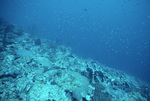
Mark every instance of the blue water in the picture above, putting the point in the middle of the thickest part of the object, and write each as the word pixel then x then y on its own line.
pixel 114 32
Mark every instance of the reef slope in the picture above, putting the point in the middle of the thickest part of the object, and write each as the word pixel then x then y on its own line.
pixel 33 69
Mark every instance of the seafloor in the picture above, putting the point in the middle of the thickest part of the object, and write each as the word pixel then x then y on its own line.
pixel 33 69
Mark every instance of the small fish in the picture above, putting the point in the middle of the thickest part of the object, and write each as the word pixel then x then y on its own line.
pixel 85 9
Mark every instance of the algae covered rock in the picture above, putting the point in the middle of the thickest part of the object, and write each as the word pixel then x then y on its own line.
pixel 43 61
pixel 44 92
pixel 74 82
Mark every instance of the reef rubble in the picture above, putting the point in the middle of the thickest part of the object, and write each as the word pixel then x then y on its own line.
pixel 33 69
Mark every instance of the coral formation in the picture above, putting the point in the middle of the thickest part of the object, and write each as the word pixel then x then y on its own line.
pixel 33 69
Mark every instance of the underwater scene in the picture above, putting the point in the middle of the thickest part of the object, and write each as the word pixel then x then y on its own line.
pixel 74 50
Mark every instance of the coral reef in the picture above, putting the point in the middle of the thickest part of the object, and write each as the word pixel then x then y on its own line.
pixel 33 69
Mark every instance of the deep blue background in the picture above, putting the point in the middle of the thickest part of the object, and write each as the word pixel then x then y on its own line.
pixel 114 32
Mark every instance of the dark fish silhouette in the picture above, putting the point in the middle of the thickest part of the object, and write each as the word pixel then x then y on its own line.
pixel 85 9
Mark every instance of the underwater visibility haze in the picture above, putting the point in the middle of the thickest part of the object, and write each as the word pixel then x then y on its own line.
pixel 114 33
